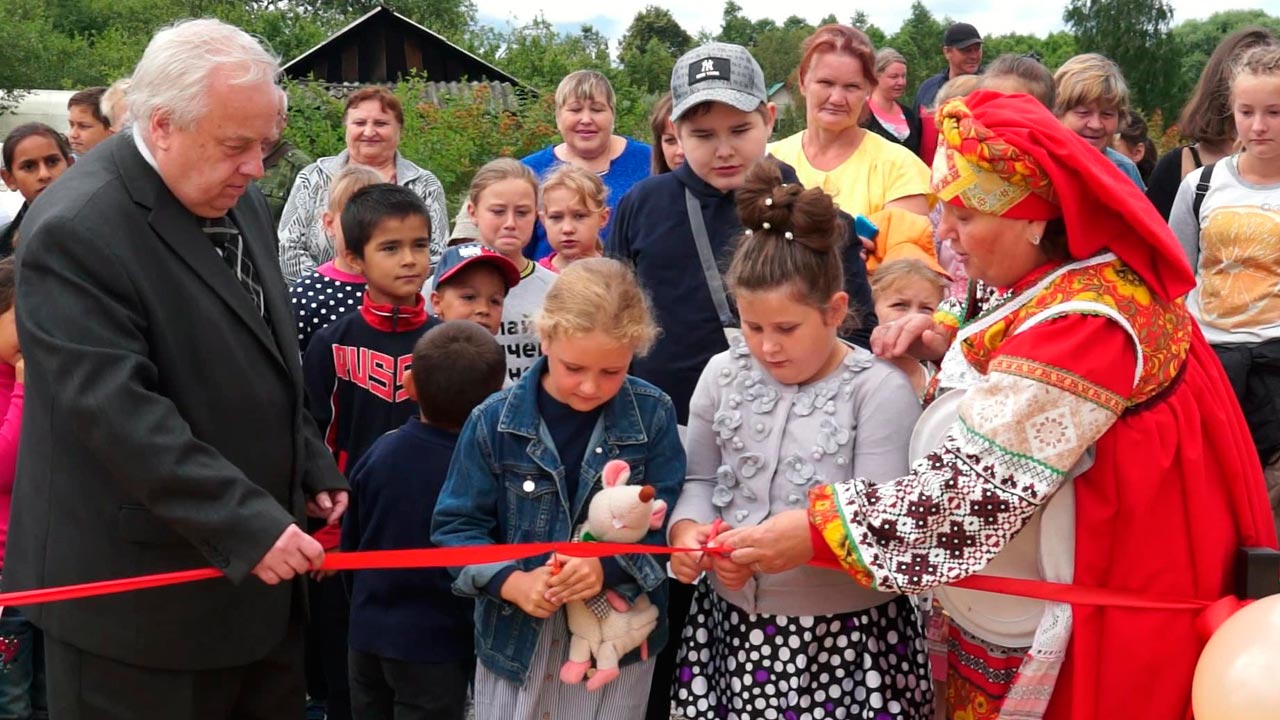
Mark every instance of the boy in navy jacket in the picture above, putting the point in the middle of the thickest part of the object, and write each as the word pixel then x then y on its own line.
pixel 354 368
pixel 723 119
pixel 412 649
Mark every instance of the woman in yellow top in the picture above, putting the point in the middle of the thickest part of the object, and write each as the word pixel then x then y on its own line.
pixel 863 172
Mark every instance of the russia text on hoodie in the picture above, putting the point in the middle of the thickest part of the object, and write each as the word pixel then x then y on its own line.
pixel 354 373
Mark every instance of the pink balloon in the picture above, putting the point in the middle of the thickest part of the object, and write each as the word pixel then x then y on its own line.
pixel 1238 675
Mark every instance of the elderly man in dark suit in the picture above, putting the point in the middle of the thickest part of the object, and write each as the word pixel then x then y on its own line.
pixel 164 422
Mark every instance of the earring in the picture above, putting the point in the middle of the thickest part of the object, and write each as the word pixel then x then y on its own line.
pixel 1035 239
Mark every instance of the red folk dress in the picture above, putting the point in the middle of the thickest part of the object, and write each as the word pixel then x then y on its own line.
pixel 1083 359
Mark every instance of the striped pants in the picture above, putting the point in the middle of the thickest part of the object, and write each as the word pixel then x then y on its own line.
pixel 544 697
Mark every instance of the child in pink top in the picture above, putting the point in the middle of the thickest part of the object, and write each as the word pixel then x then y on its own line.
pixel 574 208
pixel 336 287
pixel 21 643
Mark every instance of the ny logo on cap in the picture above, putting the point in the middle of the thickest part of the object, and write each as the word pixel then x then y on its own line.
pixel 713 68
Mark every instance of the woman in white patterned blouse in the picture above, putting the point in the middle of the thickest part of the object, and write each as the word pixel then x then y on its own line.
pixel 373 120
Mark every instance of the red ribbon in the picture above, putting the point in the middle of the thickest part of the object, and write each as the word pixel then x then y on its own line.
pixel 1216 612
pixel 366 560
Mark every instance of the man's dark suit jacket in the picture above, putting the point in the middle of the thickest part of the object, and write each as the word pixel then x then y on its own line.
pixel 163 426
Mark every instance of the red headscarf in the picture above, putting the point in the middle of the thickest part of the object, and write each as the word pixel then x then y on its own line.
pixel 1101 208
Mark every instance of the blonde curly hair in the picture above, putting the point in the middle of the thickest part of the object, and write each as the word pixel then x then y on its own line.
pixel 598 295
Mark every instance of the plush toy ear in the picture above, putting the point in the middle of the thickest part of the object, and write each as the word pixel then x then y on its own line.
pixel 658 515
pixel 615 473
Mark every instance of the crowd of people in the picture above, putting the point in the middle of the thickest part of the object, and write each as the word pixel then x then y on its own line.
pixel 988 331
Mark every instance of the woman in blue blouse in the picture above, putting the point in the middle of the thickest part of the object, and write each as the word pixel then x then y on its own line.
pixel 584 117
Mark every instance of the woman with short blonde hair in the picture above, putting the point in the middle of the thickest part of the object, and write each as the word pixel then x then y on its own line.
pixel 585 114
pixel 1092 100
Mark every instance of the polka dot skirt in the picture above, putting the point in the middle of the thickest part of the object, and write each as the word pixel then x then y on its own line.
pixel 865 665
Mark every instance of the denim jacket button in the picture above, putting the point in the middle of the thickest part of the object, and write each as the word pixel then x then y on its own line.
pixel 528 486
pixel 599 450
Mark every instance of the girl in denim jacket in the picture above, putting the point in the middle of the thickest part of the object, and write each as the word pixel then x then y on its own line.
pixel 526 467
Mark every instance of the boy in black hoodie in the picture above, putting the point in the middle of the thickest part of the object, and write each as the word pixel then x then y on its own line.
pixel 723 119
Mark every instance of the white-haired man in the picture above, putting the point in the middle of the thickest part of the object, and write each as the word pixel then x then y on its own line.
pixel 164 401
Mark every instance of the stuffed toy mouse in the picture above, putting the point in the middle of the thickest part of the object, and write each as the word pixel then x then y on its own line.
pixel 607 627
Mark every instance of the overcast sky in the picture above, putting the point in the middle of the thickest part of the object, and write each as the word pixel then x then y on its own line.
pixel 992 17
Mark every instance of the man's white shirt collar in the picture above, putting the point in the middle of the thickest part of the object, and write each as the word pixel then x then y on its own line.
pixel 143 149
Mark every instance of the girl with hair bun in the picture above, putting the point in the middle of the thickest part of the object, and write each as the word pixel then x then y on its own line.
pixel 788 407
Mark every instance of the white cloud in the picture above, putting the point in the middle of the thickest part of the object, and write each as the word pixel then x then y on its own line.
pixel 991 17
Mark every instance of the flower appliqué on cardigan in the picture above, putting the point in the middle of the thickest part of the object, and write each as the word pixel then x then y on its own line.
pixel 726 424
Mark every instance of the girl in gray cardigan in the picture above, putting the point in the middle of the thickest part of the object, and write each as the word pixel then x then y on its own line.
pixel 788 407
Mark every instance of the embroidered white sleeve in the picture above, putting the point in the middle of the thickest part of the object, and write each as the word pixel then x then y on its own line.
pixel 1011 448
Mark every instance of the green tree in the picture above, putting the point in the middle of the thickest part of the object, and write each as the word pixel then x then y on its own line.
pixel 647 69
pixel 1059 47
pixel 541 55
pixel 778 52
pixel 649 49
pixel 873 31
pixel 1197 40
pixel 795 22
pixel 1135 34
pixel 655 23
pixel 735 27
pixel 35 54
pixel 1053 49
pixel 919 39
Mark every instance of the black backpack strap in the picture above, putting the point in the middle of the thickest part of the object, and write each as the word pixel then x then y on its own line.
pixel 1195 155
pixel 1202 189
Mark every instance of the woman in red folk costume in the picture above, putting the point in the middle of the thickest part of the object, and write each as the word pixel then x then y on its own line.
pixel 1095 441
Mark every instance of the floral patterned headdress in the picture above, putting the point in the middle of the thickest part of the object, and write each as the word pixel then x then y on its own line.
pixel 1008 155
pixel 977 170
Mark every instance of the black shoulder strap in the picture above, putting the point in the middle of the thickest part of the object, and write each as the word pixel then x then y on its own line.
pixel 1195 155
pixel 1202 189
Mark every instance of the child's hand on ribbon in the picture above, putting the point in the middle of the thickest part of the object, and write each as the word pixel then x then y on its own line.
pixel 576 579
pixel 731 574
pixel 688 566
pixel 528 591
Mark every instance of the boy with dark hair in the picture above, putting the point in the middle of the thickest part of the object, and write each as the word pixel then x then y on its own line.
pixel 356 372
pixel 411 645
pixel 355 368
pixel 86 125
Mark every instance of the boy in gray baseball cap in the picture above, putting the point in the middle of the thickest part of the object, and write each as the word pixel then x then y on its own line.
pixel 719 89
pixel 679 229
pixel 717 72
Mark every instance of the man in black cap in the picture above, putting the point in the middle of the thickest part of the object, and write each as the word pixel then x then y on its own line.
pixel 962 45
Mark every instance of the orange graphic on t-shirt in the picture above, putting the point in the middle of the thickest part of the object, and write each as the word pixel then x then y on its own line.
pixel 1240 268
